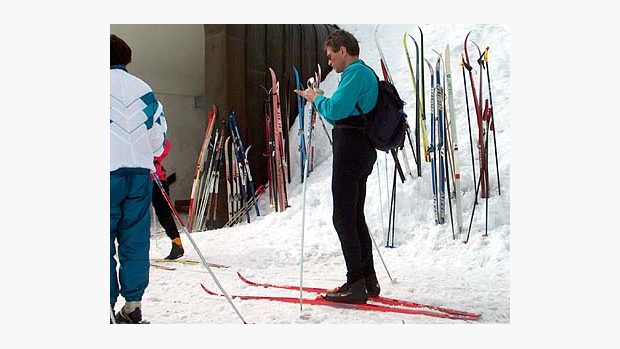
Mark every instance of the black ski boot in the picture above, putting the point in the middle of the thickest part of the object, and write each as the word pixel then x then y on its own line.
pixel 372 285
pixel 176 251
pixel 355 293
pixel 344 287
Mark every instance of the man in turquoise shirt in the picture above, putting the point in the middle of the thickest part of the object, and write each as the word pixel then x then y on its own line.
pixel 353 160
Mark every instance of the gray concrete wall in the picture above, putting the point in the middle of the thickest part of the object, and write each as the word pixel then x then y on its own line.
pixel 171 59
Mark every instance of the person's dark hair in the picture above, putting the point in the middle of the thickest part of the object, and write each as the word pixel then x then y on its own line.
pixel 339 38
pixel 120 52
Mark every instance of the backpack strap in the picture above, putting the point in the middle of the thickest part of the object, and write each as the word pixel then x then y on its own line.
pixel 359 110
pixel 372 70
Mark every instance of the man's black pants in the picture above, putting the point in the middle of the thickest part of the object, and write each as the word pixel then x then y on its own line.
pixel 354 157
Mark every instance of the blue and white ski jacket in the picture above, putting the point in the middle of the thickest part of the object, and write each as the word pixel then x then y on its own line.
pixel 137 123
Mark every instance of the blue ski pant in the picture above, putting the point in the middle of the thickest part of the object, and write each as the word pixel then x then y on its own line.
pixel 353 160
pixel 130 222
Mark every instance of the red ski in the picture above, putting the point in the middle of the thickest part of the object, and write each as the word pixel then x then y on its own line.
pixel 378 299
pixel 320 300
pixel 279 143
pixel 480 115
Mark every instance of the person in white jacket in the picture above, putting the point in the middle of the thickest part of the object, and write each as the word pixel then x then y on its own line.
pixel 137 134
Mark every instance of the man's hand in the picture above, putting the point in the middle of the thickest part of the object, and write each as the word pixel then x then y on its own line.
pixel 309 94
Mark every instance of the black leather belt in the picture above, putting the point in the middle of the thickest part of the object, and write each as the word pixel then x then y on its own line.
pixel 354 121
pixel 349 126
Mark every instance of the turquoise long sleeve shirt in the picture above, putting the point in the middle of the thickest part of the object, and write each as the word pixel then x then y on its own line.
pixel 358 84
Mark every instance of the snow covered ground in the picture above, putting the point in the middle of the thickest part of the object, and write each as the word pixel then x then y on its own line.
pixel 427 264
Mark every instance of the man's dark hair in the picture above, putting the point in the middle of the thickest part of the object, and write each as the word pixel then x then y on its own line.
pixel 120 52
pixel 339 38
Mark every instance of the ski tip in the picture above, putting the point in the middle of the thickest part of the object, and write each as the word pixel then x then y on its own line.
pixel 207 290
pixel 245 280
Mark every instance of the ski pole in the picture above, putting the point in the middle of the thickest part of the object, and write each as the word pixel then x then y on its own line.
pixel 471 146
pixel 189 236
pixel 471 219
pixel 303 229
pixel 326 132
pixel 392 218
pixel 381 257
pixel 380 198
pixel 487 113
pixel 492 121
pixel 301 102
pixel 486 141
pixel 317 86
pixel 478 108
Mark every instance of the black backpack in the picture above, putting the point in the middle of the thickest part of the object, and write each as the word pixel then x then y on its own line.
pixel 386 122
